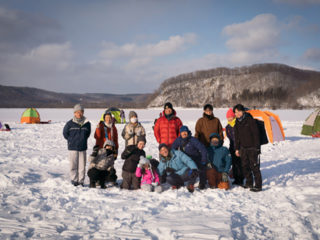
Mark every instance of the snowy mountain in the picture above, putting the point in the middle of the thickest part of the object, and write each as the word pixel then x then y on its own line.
pixel 260 85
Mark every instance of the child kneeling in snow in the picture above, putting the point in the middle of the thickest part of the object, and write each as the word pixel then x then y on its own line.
pixel 219 163
pixel 149 177
pixel 101 164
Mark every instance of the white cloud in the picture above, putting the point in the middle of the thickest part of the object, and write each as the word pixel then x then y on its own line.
pixel 260 33
pixel 312 54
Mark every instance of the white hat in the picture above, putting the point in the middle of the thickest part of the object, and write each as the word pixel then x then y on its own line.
pixel 144 160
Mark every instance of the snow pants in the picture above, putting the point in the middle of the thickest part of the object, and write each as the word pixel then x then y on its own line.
pixel 77 161
pixel 202 173
pixel 178 180
pixel 151 188
pixel 251 166
pixel 130 181
pixel 214 177
pixel 236 168
pixel 97 175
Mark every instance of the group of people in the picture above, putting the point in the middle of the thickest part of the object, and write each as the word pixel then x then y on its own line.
pixel 183 158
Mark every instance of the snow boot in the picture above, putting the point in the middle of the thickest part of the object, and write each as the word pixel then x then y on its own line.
pixel 202 186
pixel 247 186
pixel 190 188
pixel 92 184
pixel 256 189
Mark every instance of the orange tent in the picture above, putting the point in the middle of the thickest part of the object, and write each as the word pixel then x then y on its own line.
pixel 272 124
pixel 30 115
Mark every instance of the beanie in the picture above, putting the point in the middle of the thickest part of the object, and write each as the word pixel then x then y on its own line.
pixel 208 106
pixel 163 145
pixel 143 160
pixel 184 129
pixel 108 142
pixel 168 105
pixel 132 114
pixel 78 107
pixel 141 139
pixel 230 113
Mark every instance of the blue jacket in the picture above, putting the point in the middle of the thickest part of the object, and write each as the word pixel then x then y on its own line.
pixel 192 147
pixel 77 135
pixel 220 157
pixel 179 161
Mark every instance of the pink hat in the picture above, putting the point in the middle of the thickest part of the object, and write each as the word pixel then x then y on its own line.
pixel 230 113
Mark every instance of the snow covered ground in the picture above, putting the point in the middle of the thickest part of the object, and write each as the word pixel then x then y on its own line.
pixel 38 202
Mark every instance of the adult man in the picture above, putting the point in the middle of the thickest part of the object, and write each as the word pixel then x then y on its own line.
pixel 77 132
pixel 206 125
pixel 247 146
pixel 177 167
pixel 195 150
pixel 167 127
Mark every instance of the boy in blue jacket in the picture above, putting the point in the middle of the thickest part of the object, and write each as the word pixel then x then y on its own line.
pixel 77 132
pixel 177 167
pixel 219 161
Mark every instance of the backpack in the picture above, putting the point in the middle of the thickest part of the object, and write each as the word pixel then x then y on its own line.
pixel 262 132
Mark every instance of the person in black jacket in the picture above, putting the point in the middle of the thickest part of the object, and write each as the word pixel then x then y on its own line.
pixel 132 154
pixel 77 132
pixel 247 146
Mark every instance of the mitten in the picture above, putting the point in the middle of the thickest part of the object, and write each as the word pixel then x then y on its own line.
pixel 225 177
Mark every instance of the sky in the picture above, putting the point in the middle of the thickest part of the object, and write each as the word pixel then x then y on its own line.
pixel 120 47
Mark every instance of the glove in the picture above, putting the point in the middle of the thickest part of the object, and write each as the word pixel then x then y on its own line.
pixel 193 173
pixel 170 170
pixel 209 165
pixel 225 177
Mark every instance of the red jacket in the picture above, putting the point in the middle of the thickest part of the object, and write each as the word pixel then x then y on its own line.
pixel 100 135
pixel 166 131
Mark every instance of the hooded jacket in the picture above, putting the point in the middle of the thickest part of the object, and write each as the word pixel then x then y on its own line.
pixel 206 126
pixel 131 132
pixel 167 130
pixel 103 160
pixel 219 156
pixel 100 134
pixel 77 135
pixel 246 133
pixel 150 176
pixel 131 154
pixel 192 147
pixel 179 161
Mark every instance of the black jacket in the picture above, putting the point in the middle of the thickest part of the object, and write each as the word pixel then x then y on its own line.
pixel 77 135
pixel 131 154
pixel 246 133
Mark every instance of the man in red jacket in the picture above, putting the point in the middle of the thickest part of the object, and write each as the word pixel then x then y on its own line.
pixel 167 127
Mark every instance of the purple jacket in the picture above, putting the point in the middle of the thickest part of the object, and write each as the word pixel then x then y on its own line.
pixel 230 135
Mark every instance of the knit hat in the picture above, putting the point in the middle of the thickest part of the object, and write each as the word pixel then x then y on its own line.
pixel 106 113
pixel 163 145
pixel 109 143
pixel 168 105
pixel 132 114
pixel 230 113
pixel 214 135
pixel 208 106
pixel 78 107
pixel 184 129
pixel 141 138
pixel 143 160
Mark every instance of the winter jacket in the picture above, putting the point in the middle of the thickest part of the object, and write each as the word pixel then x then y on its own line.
pixel 167 130
pixel 179 161
pixel 131 132
pixel 103 160
pixel 220 157
pixel 192 147
pixel 150 176
pixel 246 133
pixel 131 154
pixel 206 126
pixel 230 135
pixel 77 135
pixel 100 135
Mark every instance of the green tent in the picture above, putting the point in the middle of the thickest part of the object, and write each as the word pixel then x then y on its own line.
pixel 312 124
pixel 116 113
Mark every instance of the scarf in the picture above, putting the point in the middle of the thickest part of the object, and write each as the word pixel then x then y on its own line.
pixel 210 117
pixel 170 116
pixel 243 117
pixel 233 122
pixel 106 126
pixel 79 121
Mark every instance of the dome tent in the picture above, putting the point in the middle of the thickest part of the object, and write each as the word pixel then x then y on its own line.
pixel 30 115
pixel 272 123
pixel 311 125
pixel 115 113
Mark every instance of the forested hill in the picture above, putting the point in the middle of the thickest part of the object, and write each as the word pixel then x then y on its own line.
pixel 34 97
pixel 260 85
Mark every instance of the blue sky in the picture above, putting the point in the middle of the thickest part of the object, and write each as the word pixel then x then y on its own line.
pixel 132 46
